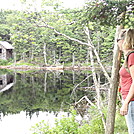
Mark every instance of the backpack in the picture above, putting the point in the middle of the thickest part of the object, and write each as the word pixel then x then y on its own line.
pixel 126 61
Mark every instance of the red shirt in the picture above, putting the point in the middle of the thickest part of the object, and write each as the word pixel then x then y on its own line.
pixel 125 77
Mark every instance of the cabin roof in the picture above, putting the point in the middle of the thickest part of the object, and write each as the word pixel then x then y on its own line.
pixel 6 45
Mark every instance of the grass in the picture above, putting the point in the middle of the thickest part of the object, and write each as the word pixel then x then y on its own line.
pixel 120 124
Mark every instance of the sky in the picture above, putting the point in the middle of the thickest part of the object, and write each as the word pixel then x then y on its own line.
pixel 6 4
pixel 73 3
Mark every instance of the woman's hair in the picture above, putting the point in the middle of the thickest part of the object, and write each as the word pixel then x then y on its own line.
pixel 128 39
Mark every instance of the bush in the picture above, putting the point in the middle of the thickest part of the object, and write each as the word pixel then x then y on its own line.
pixel 68 125
pixel 3 62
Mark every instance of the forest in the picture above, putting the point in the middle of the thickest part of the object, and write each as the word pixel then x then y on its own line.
pixel 85 36
pixel 37 35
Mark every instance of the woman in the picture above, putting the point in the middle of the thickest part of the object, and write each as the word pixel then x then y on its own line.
pixel 126 44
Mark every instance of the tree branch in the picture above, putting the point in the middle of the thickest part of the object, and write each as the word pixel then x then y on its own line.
pixel 97 56
pixel 73 39
pixel 80 42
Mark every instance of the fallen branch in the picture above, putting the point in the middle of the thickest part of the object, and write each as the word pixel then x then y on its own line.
pixel 86 98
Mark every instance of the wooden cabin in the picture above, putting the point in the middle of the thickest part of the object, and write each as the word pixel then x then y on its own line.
pixel 6 50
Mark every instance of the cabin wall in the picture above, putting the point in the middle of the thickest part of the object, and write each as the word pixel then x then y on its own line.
pixel 5 53
pixel 2 53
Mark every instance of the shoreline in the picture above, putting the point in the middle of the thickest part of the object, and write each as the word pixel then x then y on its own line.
pixel 25 67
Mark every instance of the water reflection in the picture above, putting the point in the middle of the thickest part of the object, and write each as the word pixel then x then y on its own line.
pixel 39 92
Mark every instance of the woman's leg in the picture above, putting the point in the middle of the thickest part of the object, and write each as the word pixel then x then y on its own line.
pixel 130 118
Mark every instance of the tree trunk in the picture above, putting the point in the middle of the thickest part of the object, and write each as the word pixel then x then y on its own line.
pixel 73 76
pixel 45 55
pixel 73 57
pixel 97 88
pixel 45 83
pixel 96 82
pixel 87 60
pixel 113 87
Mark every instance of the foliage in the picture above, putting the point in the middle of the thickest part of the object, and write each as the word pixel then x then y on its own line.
pixel 66 125
pixel 4 71
pixel 107 12
pixel 24 63
pixel 29 38
pixel 27 32
pixel 69 125
pixel 4 62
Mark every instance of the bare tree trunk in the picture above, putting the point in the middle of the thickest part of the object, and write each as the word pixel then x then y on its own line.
pixel 45 83
pixel 87 60
pixel 97 87
pixel 96 82
pixel 45 55
pixel 113 86
pixel 73 76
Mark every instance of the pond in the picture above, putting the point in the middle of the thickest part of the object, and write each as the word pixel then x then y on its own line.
pixel 28 97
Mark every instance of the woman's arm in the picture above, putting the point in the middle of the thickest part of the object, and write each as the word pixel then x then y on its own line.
pixel 124 108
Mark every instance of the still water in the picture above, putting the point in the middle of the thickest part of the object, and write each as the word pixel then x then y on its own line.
pixel 27 98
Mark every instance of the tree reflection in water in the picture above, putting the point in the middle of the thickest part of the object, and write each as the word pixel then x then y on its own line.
pixel 41 91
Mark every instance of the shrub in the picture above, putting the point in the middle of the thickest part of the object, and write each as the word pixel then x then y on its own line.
pixel 68 125
pixel 3 62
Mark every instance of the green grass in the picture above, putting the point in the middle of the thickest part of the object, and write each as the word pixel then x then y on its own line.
pixel 120 124
pixel 24 64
